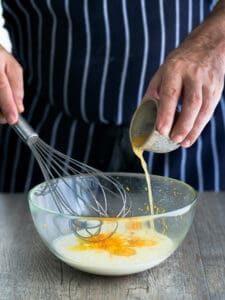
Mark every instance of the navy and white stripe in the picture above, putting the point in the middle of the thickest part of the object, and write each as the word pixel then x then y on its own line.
pixel 52 49
pixel 87 61
pixel 106 62
pixel 145 52
pixel 125 63
pixel 28 26
pixel 86 67
pixel 68 56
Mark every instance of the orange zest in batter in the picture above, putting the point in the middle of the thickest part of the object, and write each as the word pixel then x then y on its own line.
pixel 117 244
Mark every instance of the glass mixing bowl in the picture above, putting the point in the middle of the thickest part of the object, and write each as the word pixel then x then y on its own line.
pixel 111 245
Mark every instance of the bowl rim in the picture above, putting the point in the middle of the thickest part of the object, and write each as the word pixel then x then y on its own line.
pixel 175 212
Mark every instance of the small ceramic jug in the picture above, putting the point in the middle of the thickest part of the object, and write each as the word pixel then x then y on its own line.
pixel 143 132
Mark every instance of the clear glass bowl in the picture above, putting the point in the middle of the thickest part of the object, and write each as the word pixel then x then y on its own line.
pixel 115 246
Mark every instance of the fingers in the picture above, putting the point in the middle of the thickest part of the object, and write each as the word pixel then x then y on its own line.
pixel 7 104
pixel 170 91
pixel 154 86
pixel 191 105
pixel 11 88
pixel 196 74
pixel 198 104
pixel 205 114
pixel 15 77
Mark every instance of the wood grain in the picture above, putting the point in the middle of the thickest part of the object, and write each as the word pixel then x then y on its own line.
pixel 29 271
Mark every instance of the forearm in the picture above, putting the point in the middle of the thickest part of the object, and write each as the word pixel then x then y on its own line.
pixel 219 6
pixel 215 22
pixel 210 35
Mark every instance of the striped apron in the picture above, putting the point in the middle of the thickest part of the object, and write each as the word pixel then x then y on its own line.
pixel 86 67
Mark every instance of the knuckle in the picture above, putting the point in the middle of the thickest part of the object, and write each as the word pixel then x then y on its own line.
pixel 195 99
pixel 208 90
pixel 13 65
pixel 199 71
pixel 174 63
pixel 153 93
pixel 168 92
pixel 177 64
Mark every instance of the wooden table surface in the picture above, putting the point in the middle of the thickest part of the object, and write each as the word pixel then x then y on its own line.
pixel 29 271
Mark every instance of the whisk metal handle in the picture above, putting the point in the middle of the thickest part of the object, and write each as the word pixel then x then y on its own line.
pixel 25 131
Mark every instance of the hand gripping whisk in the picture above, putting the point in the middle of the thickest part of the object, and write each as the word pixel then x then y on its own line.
pixel 90 190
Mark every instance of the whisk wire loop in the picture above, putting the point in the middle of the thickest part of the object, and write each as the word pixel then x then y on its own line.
pixel 88 187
